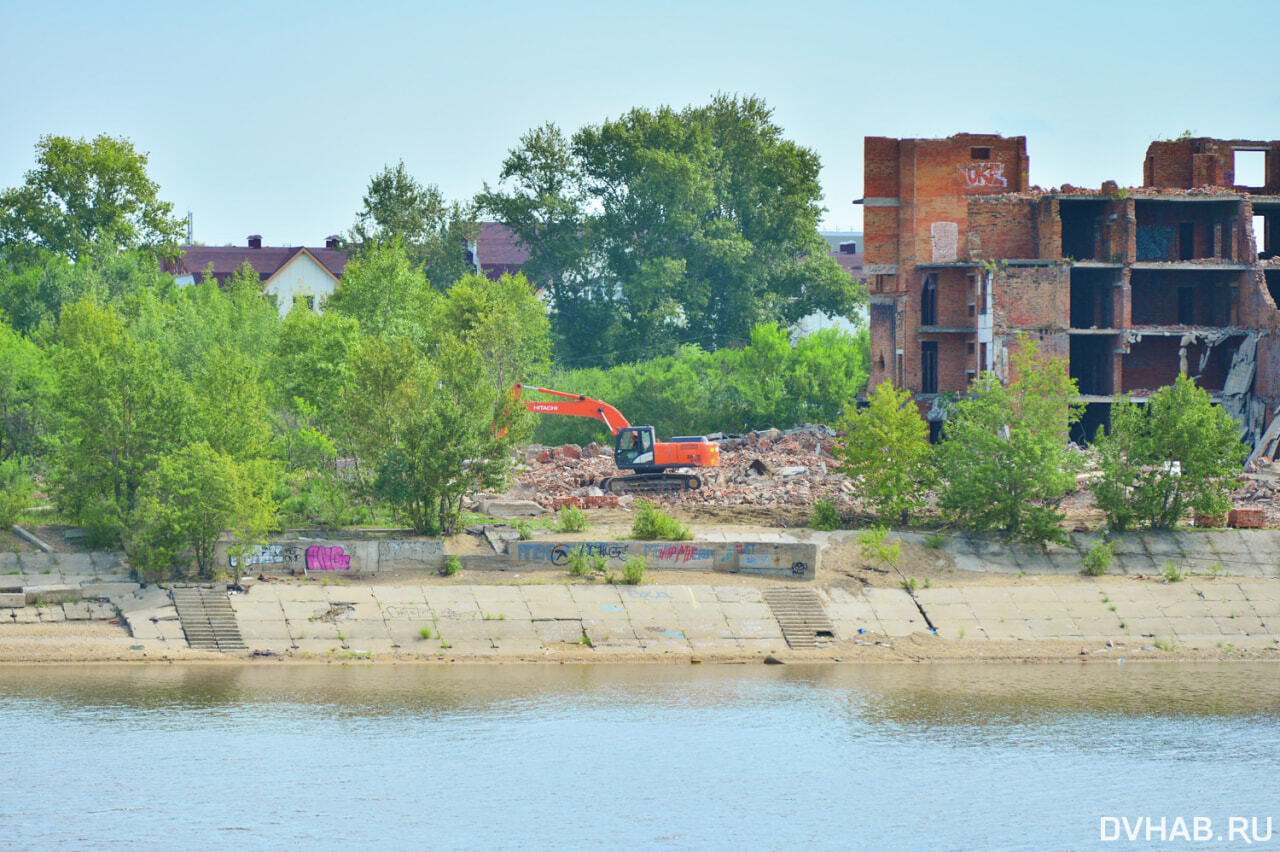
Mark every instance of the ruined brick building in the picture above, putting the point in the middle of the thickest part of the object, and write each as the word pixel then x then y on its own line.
pixel 1132 286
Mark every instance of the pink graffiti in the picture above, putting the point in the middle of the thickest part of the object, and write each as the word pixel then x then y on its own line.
pixel 984 174
pixel 320 558
pixel 682 553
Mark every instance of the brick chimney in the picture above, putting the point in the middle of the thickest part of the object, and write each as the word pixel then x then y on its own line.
pixel 332 241
pixel 255 241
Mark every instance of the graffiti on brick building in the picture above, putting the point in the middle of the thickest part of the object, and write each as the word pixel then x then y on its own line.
pixel 321 558
pixel 984 174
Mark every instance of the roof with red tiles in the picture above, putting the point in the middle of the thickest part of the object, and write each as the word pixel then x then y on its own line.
pixel 266 261
pixel 498 248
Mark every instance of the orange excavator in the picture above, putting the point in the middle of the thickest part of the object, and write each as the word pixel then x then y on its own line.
pixel 635 447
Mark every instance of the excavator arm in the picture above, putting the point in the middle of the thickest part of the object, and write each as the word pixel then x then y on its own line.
pixel 575 405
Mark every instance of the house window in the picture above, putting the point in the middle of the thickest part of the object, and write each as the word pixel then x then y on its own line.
pixel 929 300
pixel 980 153
pixel 929 367
pixel 970 347
pixel 309 301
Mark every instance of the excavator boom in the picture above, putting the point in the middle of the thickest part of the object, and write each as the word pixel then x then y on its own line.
pixel 575 405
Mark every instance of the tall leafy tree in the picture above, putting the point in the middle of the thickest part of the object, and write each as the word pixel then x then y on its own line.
pixel 432 230
pixel 504 320
pixel 188 500
pixel 384 291
pixel 443 430
pixel 120 408
pixel 665 226
pixel 1179 452
pixel 1005 465
pixel 26 391
pixel 82 192
pixel 885 452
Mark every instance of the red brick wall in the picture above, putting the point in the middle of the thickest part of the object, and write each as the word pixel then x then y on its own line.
pixel 1002 227
pixel 1031 297
pixel 1168 164
pixel 1152 362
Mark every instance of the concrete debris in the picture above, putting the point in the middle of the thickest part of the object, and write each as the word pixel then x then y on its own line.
pixel 767 468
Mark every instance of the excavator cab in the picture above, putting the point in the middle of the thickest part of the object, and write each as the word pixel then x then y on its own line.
pixel 634 448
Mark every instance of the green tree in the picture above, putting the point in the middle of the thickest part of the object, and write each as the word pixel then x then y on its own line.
pixel 449 432
pixel 83 192
pixel 311 362
pixel 1005 464
pixel 34 285
pixel 504 320
pixel 26 391
pixel 690 226
pixel 15 491
pixel 383 291
pixel 119 409
pixel 885 452
pixel 1179 452
pixel 432 231
pixel 185 503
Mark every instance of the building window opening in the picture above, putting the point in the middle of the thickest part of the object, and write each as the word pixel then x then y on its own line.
pixel 984 154
pixel 309 301
pixel 1186 241
pixel 929 300
pixel 1186 306
pixel 929 367
pixel 1260 238
pixel 1251 169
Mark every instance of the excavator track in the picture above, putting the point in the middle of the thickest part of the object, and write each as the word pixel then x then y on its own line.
pixel 651 483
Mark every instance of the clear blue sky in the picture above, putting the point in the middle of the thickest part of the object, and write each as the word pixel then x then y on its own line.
pixel 270 117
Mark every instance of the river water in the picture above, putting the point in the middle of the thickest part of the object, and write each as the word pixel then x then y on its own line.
pixel 928 757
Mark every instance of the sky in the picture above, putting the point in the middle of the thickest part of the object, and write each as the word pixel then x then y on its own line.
pixel 270 117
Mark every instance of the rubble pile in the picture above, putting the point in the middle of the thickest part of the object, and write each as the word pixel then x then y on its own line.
pixel 766 468
pixel 1258 491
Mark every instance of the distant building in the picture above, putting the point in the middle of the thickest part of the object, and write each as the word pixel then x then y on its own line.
pixel 496 250
pixel 1131 286
pixel 846 250
pixel 289 273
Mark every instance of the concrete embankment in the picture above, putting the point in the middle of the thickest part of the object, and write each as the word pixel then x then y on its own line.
pixel 977 602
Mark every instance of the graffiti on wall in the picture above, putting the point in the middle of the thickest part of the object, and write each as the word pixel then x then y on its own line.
pixel 558 554
pixel 678 553
pixel 988 173
pixel 321 558
pixel 270 554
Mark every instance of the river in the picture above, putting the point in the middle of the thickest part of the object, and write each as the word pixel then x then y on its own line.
pixel 928 757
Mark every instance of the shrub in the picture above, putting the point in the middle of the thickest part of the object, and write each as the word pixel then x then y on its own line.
pixel 15 492
pixel 579 562
pixel 652 524
pixel 633 571
pixel 452 565
pixel 825 516
pixel 1179 452
pixel 934 541
pixel 571 520
pixel 876 548
pixel 424 632
pixel 1171 573
pixel 1099 558
pixel 1005 465
pixel 524 529
pixel 885 452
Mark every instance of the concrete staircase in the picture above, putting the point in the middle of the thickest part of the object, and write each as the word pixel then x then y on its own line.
pixel 800 614
pixel 207 618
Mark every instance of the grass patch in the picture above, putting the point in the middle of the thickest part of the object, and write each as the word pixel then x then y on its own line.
pixel 653 524
pixel 571 519
pixel 825 516
pixel 633 571
pixel 1098 559
pixel 1171 573
pixel 424 632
